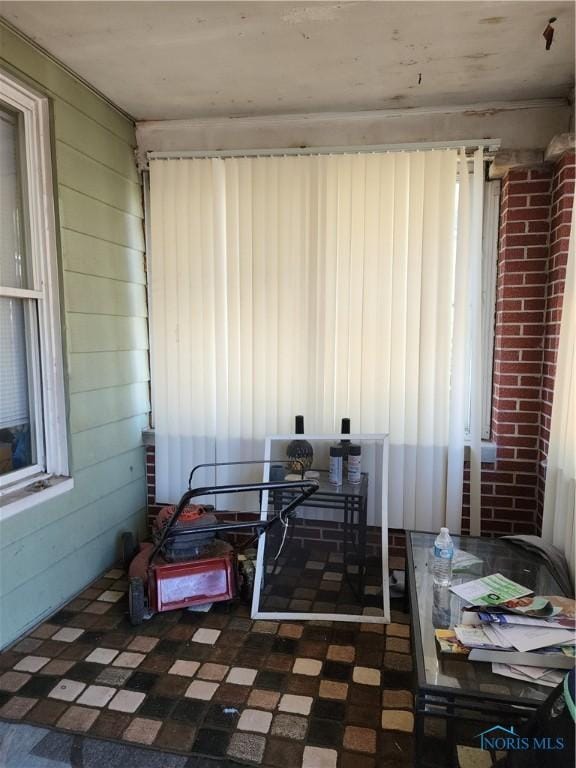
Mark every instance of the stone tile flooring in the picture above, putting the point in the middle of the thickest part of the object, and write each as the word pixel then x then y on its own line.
pixel 212 689
pixel 216 684
pixel 28 746
pixel 308 579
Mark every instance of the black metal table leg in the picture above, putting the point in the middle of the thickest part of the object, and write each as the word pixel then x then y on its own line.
pixel 418 735
pixel 452 753
pixel 362 541
pixel 406 598
pixel 346 532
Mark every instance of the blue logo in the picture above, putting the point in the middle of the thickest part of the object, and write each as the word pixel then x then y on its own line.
pixel 500 738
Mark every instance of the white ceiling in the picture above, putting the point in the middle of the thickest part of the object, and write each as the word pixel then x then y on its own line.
pixel 168 60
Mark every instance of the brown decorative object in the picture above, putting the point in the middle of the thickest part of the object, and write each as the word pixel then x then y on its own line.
pixel 300 452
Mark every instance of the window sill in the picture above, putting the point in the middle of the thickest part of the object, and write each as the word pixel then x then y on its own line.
pixel 41 488
pixel 487 452
pixel 148 437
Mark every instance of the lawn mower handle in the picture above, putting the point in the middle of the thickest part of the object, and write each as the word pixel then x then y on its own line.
pixel 308 487
pixel 240 463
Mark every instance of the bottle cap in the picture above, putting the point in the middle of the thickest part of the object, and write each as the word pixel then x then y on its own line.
pixel 444 530
pixel 299 425
pixel 345 428
pixel 355 450
pixel 335 450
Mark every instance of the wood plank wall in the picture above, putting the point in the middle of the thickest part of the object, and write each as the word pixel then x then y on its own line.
pixel 51 551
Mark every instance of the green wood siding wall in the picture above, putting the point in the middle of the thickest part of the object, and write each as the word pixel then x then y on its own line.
pixel 51 551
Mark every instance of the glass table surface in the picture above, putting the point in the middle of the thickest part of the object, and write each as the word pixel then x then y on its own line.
pixel 438 607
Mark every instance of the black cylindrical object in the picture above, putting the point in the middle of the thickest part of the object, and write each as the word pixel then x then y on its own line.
pixel 345 444
pixel 300 452
pixel 354 473
pixel 335 475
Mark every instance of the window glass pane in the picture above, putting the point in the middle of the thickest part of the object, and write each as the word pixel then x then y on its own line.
pixel 15 434
pixel 12 265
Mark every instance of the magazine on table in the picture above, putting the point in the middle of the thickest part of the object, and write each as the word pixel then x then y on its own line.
pixel 552 607
pixel 490 590
pixel 512 619
pixel 449 643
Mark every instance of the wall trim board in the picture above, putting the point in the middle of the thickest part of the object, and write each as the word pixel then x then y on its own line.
pixel 368 114
pixel 522 125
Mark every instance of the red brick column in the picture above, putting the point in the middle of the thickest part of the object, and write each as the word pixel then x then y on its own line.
pixel 509 486
pixel 561 213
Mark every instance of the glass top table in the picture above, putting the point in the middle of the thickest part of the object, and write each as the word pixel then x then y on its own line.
pixel 453 686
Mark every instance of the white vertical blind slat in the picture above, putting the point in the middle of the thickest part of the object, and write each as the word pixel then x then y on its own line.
pixel 460 355
pixel 558 525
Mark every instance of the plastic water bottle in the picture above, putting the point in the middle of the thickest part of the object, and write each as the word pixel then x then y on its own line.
pixel 443 554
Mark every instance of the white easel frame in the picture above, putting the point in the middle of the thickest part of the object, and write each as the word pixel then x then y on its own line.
pixel 381 439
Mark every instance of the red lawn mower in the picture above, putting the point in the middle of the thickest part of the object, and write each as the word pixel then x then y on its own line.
pixel 188 562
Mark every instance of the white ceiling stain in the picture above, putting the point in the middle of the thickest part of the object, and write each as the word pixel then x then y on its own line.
pixel 170 60
pixel 318 12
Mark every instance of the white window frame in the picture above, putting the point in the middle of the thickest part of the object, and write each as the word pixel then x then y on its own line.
pixel 489 272
pixel 44 348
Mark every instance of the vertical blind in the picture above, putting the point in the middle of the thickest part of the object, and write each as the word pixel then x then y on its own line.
pixel 329 285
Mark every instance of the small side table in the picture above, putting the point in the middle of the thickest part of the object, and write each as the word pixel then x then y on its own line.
pixel 349 498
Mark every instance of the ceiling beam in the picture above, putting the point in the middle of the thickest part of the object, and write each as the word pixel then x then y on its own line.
pixel 523 125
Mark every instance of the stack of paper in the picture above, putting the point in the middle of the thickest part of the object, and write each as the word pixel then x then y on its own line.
pixel 525 638
pixel 538 675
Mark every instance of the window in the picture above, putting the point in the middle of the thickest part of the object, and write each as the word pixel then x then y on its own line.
pixel 33 442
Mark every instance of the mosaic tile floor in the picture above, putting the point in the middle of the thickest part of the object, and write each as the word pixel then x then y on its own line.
pixel 29 746
pixel 307 579
pixel 216 684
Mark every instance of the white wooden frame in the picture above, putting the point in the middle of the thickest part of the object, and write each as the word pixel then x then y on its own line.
pixel 489 268
pixel 305 616
pixel 47 379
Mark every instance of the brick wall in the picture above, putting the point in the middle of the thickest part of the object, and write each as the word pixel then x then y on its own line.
pixel 560 217
pixel 509 486
pixel 535 215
